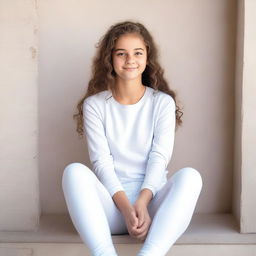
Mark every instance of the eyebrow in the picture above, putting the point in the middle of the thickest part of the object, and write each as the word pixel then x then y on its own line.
pixel 119 49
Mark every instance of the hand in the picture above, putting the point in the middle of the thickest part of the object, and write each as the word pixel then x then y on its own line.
pixel 144 220
pixel 127 210
pixel 131 221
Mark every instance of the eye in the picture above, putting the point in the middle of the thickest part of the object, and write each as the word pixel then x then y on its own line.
pixel 138 53
pixel 120 54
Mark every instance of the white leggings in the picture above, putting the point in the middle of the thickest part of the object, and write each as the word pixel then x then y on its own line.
pixel 95 215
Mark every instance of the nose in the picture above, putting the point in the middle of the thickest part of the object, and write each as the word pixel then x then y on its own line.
pixel 129 59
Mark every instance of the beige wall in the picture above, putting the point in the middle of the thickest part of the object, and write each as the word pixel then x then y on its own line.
pixel 19 192
pixel 248 202
pixel 197 46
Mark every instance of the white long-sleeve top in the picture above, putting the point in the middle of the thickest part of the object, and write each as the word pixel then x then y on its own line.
pixel 130 142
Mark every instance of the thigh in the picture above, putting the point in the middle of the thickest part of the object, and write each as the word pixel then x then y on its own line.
pixel 114 216
pixel 159 197
pixel 81 176
pixel 186 182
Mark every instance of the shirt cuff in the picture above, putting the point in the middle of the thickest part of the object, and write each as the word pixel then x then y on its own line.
pixel 112 191
pixel 150 187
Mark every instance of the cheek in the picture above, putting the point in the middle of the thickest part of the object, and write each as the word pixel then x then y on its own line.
pixel 143 62
pixel 117 62
pixel 114 64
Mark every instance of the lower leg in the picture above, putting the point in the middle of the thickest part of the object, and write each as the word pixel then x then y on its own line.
pixel 179 197
pixel 86 210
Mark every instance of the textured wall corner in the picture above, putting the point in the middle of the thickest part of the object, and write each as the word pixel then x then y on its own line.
pixel 248 202
pixel 19 191
pixel 245 139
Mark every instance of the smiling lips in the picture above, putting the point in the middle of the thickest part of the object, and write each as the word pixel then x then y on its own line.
pixel 130 69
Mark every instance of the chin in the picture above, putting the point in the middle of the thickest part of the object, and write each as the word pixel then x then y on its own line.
pixel 130 78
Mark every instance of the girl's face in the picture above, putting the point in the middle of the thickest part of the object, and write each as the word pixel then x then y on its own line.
pixel 129 57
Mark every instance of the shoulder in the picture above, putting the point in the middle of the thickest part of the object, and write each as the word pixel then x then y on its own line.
pixel 96 103
pixel 96 99
pixel 163 99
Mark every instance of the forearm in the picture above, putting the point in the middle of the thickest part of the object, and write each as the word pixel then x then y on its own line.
pixel 122 202
pixel 145 196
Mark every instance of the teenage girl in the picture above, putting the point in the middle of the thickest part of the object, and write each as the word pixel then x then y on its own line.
pixel 129 116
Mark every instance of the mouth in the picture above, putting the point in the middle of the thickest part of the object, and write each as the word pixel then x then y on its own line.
pixel 130 69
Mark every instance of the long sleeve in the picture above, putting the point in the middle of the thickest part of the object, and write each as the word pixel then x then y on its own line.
pixel 162 146
pixel 99 152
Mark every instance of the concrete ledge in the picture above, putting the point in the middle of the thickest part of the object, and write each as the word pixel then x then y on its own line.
pixel 204 229
pixel 69 249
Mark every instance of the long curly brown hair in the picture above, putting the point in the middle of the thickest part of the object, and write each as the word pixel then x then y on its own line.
pixel 103 74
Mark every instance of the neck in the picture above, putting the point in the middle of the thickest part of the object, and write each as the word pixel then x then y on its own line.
pixel 128 92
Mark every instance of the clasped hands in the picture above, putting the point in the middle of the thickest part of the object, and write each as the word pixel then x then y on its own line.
pixel 137 220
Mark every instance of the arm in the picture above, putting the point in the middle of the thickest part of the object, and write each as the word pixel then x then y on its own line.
pixel 159 157
pixel 145 196
pixel 162 146
pixel 99 152
pixel 122 202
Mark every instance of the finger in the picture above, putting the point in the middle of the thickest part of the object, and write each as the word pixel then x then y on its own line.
pixel 138 231
pixel 134 224
pixel 142 229
pixel 142 236
pixel 141 217
pixel 134 220
pixel 141 221
pixel 134 233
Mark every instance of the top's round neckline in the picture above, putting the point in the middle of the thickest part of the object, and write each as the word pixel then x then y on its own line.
pixel 139 102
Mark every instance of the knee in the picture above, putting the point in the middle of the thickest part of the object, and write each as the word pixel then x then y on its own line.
pixel 75 171
pixel 192 176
